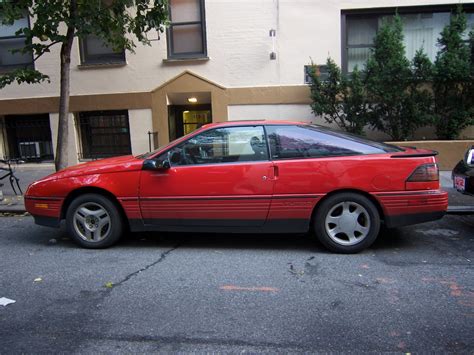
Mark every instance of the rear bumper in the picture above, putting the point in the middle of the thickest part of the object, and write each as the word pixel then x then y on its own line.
pixel 409 219
pixel 45 210
pixel 412 207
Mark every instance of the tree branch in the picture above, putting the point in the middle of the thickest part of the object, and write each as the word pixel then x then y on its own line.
pixel 46 49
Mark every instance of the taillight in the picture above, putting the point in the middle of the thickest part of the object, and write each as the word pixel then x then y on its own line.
pixel 426 172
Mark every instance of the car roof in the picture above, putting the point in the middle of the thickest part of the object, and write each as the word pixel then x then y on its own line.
pixel 252 122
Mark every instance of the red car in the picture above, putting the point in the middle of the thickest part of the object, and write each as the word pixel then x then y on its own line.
pixel 247 177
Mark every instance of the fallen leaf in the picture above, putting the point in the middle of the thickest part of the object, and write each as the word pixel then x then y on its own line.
pixel 109 285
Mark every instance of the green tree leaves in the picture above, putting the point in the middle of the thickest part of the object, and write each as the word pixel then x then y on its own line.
pixel 397 96
pixel 120 23
pixel 453 79
pixel 338 99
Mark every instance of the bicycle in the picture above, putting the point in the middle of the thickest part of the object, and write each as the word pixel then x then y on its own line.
pixel 11 174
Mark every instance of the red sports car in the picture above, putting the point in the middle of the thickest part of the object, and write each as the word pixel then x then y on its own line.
pixel 247 177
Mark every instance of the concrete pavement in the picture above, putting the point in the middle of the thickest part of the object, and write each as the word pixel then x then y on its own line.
pixel 412 291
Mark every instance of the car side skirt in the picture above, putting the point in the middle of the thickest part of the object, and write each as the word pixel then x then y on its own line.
pixel 221 226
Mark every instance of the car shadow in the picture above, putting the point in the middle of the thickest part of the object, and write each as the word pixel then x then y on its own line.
pixel 387 239
pixel 224 241
pixel 392 238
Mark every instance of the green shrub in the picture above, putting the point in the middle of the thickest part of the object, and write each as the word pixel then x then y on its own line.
pixel 453 79
pixel 398 103
pixel 339 99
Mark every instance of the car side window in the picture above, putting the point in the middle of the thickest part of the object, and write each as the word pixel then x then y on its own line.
pixel 221 145
pixel 293 142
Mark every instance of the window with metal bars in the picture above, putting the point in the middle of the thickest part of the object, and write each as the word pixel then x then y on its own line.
pixel 103 134
pixel 187 30
pixel 26 137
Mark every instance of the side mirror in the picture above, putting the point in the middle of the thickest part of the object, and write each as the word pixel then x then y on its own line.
pixel 151 164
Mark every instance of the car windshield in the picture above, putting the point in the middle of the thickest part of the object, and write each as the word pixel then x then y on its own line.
pixel 389 148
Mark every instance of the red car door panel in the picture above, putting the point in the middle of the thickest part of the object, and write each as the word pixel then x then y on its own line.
pixel 218 195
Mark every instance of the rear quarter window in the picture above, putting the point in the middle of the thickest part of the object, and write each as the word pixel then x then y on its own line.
pixel 289 142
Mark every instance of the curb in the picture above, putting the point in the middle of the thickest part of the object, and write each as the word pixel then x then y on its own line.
pixel 460 210
pixel 12 212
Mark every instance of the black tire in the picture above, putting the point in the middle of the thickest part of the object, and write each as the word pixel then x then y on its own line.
pixel 101 208
pixel 346 223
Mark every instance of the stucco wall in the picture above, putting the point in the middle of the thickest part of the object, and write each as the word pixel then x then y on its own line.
pixel 238 45
pixel 271 112
pixel 140 122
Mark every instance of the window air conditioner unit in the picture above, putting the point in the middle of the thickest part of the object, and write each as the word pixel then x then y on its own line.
pixel 30 150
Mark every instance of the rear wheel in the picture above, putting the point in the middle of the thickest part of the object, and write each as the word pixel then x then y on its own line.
pixel 347 223
pixel 94 221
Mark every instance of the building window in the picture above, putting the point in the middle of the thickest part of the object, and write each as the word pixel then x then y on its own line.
pixel 104 134
pixel 187 30
pixel 321 71
pixel 421 29
pixel 27 137
pixel 10 41
pixel 95 50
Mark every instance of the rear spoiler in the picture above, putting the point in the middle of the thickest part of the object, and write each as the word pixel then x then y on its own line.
pixel 431 153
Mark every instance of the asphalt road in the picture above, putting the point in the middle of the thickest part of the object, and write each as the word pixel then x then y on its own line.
pixel 412 291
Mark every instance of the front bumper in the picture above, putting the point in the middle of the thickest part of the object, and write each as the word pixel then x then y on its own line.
pixel 45 210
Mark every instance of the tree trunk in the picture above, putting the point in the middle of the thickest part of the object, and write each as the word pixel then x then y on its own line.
pixel 61 159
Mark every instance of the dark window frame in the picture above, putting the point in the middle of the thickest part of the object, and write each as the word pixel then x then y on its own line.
pixel 9 67
pixel 98 59
pixel 86 147
pixel 170 37
pixel 384 11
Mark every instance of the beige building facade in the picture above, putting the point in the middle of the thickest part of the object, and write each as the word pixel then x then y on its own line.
pixel 219 60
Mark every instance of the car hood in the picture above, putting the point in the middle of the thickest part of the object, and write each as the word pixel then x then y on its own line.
pixel 108 165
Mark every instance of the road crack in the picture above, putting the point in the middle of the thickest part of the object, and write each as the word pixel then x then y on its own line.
pixel 145 268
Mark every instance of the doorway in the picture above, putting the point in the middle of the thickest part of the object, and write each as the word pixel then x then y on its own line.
pixel 184 119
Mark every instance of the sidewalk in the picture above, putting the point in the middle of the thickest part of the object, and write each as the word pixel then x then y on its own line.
pixel 27 173
pixel 31 172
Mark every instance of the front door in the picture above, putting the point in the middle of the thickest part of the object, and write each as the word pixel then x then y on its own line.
pixel 221 177
pixel 184 119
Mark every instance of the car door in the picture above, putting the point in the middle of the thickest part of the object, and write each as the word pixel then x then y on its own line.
pixel 220 177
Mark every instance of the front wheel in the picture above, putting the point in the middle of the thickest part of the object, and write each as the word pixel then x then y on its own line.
pixel 94 221
pixel 347 223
